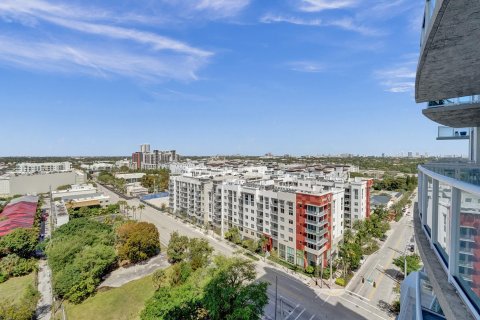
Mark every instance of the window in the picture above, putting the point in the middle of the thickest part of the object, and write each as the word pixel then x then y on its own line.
pixel 281 250
pixel 290 230
pixel 282 228
pixel 290 255
pixel 290 239
pixel 290 221
pixel 443 223
pixel 429 205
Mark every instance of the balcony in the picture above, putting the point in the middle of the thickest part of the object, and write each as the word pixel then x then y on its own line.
pixel 318 232
pixel 459 172
pixel 448 133
pixel 449 65
pixel 456 112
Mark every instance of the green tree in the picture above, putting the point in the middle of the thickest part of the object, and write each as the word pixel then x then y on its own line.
pixel 21 242
pixel 232 293
pixel 413 263
pixel 177 247
pixel 199 251
pixel 159 279
pixel 233 235
pixel 80 253
pixel 137 241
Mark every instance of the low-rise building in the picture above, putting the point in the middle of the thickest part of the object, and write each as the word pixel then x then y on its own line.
pixel 81 196
pixel 18 213
pixel 43 167
pixel 15 184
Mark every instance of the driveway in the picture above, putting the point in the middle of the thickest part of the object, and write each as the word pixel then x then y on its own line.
pixel 122 275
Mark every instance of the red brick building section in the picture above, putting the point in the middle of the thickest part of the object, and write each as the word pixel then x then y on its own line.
pixel 472 221
pixel 303 200
pixel 137 159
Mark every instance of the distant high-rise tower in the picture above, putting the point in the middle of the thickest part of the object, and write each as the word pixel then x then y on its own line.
pixel 145 148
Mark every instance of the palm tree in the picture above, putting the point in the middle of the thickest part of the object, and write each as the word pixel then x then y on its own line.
pixel 141 207
pixel 122 204
pixel 134 212
pixel 127 208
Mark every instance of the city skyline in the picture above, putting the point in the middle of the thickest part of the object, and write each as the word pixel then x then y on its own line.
pixel 217 77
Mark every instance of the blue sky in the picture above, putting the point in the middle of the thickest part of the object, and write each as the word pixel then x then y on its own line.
pixel 212 77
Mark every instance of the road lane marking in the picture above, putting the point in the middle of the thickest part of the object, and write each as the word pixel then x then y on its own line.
pixel 325 300
pixel 356 294
pixel 312 317
pixel 369 311
pixel 300 314
pixel 292 312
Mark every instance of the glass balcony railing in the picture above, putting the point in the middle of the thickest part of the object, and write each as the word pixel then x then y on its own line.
pixel 454 101
pixel 465 172
pixel 448 133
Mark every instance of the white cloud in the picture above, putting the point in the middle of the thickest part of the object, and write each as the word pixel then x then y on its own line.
pixel 223 8
pixel 207 9
pixel 320 5
pixel 269 18
pixel 65 58
pixel 306 66
pixel 128 51
pixel 400 77
pixel 344 23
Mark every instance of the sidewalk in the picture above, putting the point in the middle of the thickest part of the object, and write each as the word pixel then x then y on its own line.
pixel 44 306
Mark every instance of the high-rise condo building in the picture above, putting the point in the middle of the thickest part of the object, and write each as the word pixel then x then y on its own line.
pixel 447 222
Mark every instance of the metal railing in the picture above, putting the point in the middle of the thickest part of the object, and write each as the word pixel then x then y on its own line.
pixel 465 172
pixel 454 101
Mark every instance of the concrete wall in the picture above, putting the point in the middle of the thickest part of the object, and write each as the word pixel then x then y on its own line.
pixel 35 184
pixel 4 187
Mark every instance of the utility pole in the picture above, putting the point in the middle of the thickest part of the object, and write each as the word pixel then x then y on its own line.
pixel 331 263
pixel 321 272
pixel 276 295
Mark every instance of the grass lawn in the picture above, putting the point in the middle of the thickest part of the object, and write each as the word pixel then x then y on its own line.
pixel 14 288
pixel 125 302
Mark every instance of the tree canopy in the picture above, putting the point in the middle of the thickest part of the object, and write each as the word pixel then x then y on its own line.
pixel 20 241
pixel 137 241
pixel 177 247
pixel 80 253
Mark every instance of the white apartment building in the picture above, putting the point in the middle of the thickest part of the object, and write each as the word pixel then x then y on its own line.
pixel 303 223
pixel 44 167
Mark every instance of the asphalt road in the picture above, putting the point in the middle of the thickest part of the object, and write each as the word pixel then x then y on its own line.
pixel 379 268
pixel 295 300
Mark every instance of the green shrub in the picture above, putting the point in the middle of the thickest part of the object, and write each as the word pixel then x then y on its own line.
pixel 15 266
pixel 3 277
pixel 159 279
pixel 310 269
pixel 21 241
pixel 179 273
pixel 396 306
pixel 340 282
